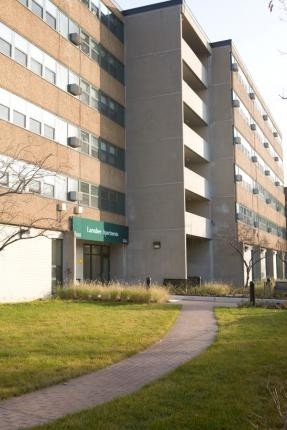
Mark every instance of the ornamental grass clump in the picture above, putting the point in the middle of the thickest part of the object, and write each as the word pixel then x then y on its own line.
pixel 113 292
pixel 213 289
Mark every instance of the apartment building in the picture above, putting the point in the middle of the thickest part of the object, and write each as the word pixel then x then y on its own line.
pixel 204 155
pixel 62 143
pixel 134 146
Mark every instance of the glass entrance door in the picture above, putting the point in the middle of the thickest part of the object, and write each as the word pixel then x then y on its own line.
pixel 96 263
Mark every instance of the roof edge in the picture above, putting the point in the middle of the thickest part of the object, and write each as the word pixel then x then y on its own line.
pixel 150 7
pixel 227 42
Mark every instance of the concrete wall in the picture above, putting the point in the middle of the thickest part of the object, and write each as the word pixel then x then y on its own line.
pixel 155 160
pixel 25 268
pixel 227 265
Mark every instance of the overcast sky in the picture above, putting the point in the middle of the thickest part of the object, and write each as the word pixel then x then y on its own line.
pixel 259 36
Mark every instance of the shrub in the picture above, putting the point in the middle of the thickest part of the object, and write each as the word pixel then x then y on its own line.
pixel 207 289
pixel 113 292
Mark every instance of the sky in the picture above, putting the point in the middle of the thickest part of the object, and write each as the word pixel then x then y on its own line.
pixel 258 35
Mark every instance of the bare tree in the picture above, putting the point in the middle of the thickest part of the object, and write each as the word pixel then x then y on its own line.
pixel 18 185
pixel 243 237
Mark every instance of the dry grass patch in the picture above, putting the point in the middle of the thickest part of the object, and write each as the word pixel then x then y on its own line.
pixel 113 292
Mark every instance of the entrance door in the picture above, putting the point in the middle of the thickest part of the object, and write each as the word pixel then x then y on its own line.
pixel 96 263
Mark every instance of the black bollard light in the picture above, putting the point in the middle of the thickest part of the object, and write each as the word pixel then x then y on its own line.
pixel 252 292
pixel 148 282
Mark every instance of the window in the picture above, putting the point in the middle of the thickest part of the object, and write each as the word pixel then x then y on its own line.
pixel 85 43
pixel 85 190
pixel 85 142
pixel 36 9
pixel 50 20
pixel 36 67
pixel 50 75
pixel 94 196
pixel 85 96
pixel 20 57
pixel 5 47
pixel 64 25
pixel 19 119
pixel 4 112
pixel 95 8
pixel 35 186
pixel 4 178
pixel 48 190
pixel 49 132
pixel 94 147
pixel 35 126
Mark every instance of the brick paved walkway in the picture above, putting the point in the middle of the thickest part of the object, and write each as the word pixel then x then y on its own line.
pixel 193 331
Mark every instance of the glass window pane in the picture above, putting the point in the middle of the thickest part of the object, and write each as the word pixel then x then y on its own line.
pixel 4 178
pixel 50 75
pixel 48 190
pixel 50 20
pixel 20 57
pixel 24 2
pixel 49 132
pixel 64 25
pixel 36 8
pixel 35 186
pixel 5 47
pixel 4 112
pixel 35 126
pixel 95 7
pixel 84 187
pixel 19 119
pixel 36 67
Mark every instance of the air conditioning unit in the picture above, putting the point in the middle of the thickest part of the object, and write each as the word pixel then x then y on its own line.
pixel 75 196
pixel 236 103
pixel 252 95
pixel 61 207
pixel 234 67
pixel 75 38
pixel 276 158
pixel 277 183
pixel 74 89
pixel 267 172
pixel 78 210
pixel 275 134
pixel 253 126
pixel 265 117
pixel 268 201
pixel 266 144
pixel 269 229
pixel 74 142
pixel 256 224
pixel 254 158
pixel 238 178
pixel 255 191
pixel 237 140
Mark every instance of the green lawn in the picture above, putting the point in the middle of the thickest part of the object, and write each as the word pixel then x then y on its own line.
pixel 42 343
pixel 223 389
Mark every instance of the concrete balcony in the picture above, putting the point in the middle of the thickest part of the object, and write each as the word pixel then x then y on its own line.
pixel 197 226
pixel 195 143
pixel 194 102
pixel 196 184
pixel 194 63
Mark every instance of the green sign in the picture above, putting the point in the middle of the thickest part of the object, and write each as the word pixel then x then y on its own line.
pixel 99 231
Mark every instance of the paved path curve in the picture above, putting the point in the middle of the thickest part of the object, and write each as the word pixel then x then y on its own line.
pixel 193 331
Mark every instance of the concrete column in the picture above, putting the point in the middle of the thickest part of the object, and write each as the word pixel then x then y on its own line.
pixel 280 265
pixel 69 257
pixel 259 269
pixel 274 265
pixel 269 263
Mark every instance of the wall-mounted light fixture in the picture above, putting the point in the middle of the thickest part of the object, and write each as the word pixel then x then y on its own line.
pixel 156 245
